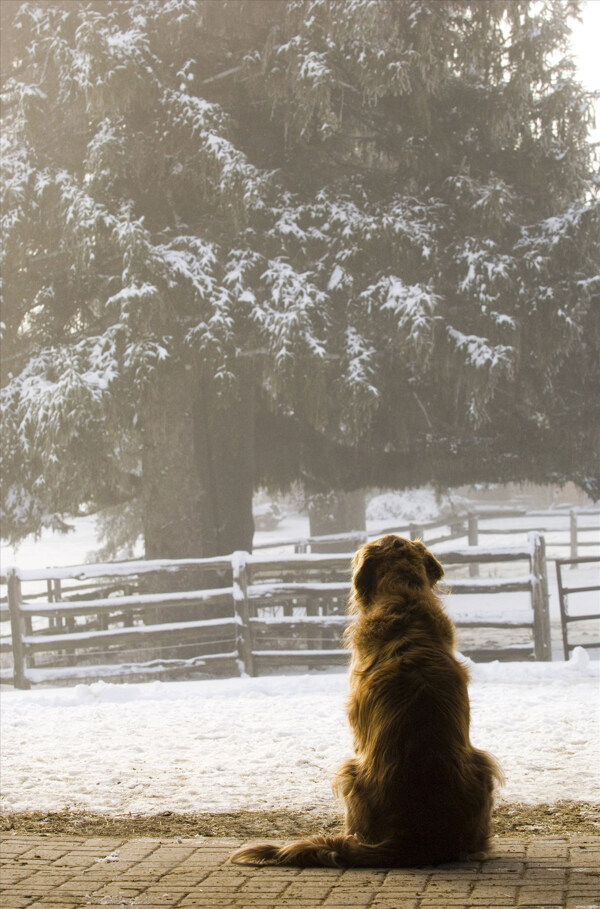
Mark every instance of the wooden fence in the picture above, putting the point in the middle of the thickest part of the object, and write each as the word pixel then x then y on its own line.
pixel 253 614
pixel 567 591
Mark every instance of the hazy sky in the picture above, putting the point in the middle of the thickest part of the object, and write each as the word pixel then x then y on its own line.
pixel 586 43
pixel 586 40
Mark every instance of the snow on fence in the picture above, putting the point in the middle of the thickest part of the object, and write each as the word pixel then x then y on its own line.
pixel 246 613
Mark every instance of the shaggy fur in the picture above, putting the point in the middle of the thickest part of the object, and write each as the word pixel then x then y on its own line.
pixel 416 792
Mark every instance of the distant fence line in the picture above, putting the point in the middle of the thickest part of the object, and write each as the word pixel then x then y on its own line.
pixel 89 617
pixel 463 526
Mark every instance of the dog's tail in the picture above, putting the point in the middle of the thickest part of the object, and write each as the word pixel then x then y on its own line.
pixel 321 851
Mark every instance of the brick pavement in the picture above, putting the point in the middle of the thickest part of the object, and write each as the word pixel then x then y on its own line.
pixel 70 872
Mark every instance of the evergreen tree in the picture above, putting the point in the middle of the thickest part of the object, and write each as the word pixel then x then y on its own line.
pixel 346 241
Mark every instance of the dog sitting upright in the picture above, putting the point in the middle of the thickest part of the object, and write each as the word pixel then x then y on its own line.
pixel 416 792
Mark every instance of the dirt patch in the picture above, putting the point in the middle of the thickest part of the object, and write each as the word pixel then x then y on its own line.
pixel 509 820
pixel 558 818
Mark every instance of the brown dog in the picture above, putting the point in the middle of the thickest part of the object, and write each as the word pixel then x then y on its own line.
pixel 416 792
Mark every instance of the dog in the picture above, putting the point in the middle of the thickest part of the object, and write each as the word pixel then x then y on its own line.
pixel 416 792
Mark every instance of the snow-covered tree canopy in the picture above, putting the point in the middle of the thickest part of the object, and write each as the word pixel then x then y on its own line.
pixel 369 224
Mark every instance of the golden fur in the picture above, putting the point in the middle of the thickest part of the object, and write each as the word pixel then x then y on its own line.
pixel 416 792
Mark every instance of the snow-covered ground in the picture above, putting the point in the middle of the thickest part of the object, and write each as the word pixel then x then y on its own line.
pixel 274 742
pixel 51 547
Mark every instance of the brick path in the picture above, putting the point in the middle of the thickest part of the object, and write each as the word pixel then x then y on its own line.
pixel 66 872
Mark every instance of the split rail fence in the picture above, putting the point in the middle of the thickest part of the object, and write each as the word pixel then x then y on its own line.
pixel 246 614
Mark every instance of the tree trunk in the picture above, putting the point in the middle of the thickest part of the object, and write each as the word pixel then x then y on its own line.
pixel 224 452
pixel 198 469
pixel 173 495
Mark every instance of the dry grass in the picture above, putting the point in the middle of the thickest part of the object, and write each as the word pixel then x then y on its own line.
pixel 509 820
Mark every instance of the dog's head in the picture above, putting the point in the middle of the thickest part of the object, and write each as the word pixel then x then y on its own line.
pixel 390 563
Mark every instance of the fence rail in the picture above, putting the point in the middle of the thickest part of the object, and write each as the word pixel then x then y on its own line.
pixel 275 611
pixel 565 589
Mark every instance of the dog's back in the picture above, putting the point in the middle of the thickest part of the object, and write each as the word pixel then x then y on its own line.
pixel 415 781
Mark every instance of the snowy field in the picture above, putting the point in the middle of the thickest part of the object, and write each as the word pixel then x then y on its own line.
pixel 274 742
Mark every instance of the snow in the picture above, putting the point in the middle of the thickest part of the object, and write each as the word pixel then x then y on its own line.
pixel 314 68
pixel 480 353
pixel 336 277
pixel 52 548
pixel 360 363
pixel 274 742
pixel 412 505
pixel 414 305
pixel 291 528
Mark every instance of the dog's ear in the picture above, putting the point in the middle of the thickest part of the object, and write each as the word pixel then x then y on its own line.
pixel 433 568
pixel 365 580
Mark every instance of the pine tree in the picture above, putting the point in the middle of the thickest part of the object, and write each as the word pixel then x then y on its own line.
pixel 442 184
pixel 126 202
pixel 348 242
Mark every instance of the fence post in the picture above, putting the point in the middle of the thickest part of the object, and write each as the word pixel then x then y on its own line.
pixel 546 599
pixel 417 532
pixel 573 533
pixel 540 599
pixel 473 537
pixel 17 628
pixel 242 610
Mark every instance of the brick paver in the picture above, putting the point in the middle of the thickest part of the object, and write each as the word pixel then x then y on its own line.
pixel 66 872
